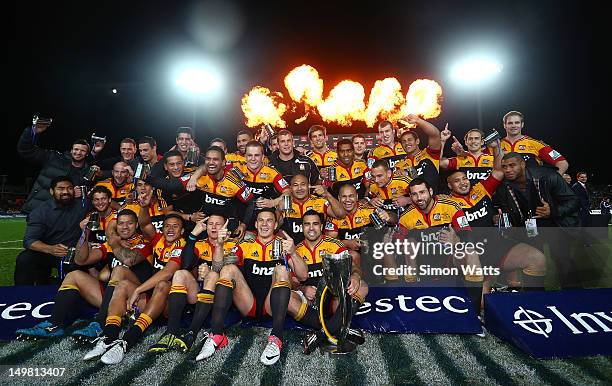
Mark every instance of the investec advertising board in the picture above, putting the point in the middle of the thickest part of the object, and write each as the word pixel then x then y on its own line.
pixel 553 324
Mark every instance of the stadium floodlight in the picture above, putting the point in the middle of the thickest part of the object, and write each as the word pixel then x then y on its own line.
pixel 475 70
pixel 198 80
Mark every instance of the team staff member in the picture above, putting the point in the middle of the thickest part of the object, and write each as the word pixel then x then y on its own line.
pixel 51 229
pixel 289 162
pixel 261 287
pixel 302 201
pixel 118 184
pixel 348 170
pixel 321 154
pixel 476 164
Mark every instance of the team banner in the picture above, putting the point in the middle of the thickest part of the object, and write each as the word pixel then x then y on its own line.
pixel 553 324
pixel 412 310
pixel 390 310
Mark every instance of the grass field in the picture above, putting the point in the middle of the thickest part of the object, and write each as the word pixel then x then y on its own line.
pixel 383 359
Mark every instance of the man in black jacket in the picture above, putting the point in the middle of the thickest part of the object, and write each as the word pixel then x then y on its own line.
pixel 583 194
pixel 72 164
pixel 537 197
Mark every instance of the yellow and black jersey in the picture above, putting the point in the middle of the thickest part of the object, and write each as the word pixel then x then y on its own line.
pixel 156 211
pixel 356 175
pixel 444 212
pixel 265 182
pixel 235 159
pixel 477 204
pixel 351 226
pixel 223 196
pixel 323 160
pixel 119 193
pixel 313 258
pixel 138 242
pixel 397 186
pixel 476 168
pixel 425 164
pixel 292 221
pixel 163 252
pixel 99 236
pixel 534 151
pixel 392 155
pixel 258 263
pixel 205 250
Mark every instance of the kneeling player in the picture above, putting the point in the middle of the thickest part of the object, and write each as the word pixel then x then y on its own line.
pixel 310 250
pixel 260 288
pixel 167 248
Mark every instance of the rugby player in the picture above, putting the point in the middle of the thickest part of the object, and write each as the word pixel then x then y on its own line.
pixel 118 184
pixel 349 170
pixel 259 287
pixel 476 164
pixel 321 154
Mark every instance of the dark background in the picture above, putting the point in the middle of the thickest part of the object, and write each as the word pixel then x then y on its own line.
pixel 65 59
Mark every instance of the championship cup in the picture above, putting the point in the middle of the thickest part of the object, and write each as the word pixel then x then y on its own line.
pixel 191 159
pixel 94 222
pixel 492 137
pixel 337 273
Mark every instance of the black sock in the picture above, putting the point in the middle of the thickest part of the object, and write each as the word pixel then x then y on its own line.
pixel 66 305
pixel 202 309
pixel 134 333
pixel 308 316
pixel 223 300
pixel 106 298
pixel 279 301
pixel 112 328
pixel 176 304
pixel 473 284
pixel 533 281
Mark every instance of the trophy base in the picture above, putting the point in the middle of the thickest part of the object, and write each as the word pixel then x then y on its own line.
pixel 341 349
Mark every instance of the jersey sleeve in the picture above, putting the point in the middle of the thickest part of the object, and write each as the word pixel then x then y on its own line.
pixel 175 255
pixel 452 163
pixel 331 226
pixel 460 222
pixel 490 184
pixel 280 184
pixel 550 155
pixel 435 154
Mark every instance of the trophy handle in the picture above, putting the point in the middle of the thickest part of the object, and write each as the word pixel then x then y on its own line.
pixel 322 317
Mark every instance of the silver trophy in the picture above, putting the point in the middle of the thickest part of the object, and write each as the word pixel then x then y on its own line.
pixel 40 120
pixel 191 159
pixel 286 205
pixel 337 273
pixel 142 171
pixel 96 138
pixel 94 222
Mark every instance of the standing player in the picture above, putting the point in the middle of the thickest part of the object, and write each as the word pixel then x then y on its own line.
pixel 476 164
pixel 118 184
pixel 237 158
pixel 321 154
pixel 389 149
pixel 361 150
pixel 423 163
pixel 348 170
pixel 260 287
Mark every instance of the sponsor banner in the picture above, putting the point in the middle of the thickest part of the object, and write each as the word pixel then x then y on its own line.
pixel 386 310
pixel 553 324
pixel 411 310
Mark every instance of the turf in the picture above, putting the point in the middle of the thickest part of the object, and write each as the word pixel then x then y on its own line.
pixel 11 236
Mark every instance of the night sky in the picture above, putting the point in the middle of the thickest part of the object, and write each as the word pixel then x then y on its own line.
pixel 67 58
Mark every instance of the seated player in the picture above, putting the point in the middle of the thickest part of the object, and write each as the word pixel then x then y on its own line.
pixel 386 191
pixel 149 295
pixel 301 307
pixel 186 289
pixel 258 288
pixel 79 284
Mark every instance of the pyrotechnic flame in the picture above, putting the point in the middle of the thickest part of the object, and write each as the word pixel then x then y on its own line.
pixel 260 106
pixel 302 119
pixel 385 102
pixel 304 85
pixel 423 99
pixel 344 105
